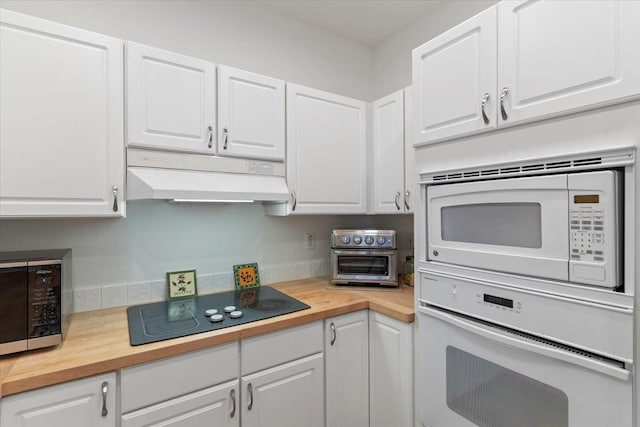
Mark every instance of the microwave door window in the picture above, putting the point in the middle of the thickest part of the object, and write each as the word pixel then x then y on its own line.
pixel 503 224
pixel 363 265
pixel 13 304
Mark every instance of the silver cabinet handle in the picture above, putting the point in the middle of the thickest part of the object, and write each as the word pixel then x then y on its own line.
pixel 397 200
pixel 333 333
pixel 505 90
pixel 114 190
pixel 105 390
pixel 226 138
pixel 210 130
pixel 250 390
pixel 233 403
pixel 485 98
pixel 407 194
pixel 294 200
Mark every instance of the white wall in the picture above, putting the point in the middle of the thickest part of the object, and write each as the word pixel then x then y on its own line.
pixel 124 261
pixel 242 34
pixel 392 57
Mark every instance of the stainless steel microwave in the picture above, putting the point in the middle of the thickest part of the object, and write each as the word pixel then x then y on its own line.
pixel 564 227
pixel 34 299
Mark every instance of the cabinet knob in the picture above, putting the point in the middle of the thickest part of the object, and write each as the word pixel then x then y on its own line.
pixel 505 90
pixel 210 131
pixel 232 395
pixel 407 194
pixel 114 190
pixel 397 200
pixel 333 333
pixel 294 200
pixel 226 138
pixel 485 98
pixel 250 391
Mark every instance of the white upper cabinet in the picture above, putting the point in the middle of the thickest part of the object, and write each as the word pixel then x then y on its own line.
pixel 61 121
pixel 454 80
pixel 547 57
pixel 388 154
pixel 564 56
pixel 171 100
pixel 250 115
pixel 326 152
pixel 411 187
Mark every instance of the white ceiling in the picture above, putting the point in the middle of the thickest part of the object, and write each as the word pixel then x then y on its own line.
pixel 366 21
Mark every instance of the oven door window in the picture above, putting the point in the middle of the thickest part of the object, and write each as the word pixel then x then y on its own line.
pixel 504 224
pixel 490 395
pixel 363 265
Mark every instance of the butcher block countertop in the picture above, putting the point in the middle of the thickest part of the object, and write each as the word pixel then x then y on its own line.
pixel 98 341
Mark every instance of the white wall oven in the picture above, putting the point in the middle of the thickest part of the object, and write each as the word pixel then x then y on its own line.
pixel 525 306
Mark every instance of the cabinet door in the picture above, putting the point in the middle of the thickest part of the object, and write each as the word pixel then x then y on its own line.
pixel 216 406
pixel 326 152
pixel 411 188
pixel 61 127
pixel 171 100
pixel 563 56
pixel 250 115
pixel 454 81
pixel 347 370
pixel 388 154
pixel 287 395
pixel 391 371
pixel 79 403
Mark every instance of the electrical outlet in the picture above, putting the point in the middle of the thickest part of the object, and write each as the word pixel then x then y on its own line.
pixel 310 241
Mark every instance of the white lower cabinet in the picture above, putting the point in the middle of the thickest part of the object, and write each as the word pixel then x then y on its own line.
pixel 390 372
pixel 347 369
pixel 81 403
pixel 283 378
pixel 214 406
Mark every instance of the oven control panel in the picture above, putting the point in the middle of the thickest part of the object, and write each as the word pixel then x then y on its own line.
pixel 374 239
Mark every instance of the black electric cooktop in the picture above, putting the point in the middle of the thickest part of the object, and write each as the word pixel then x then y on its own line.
pixel 187 316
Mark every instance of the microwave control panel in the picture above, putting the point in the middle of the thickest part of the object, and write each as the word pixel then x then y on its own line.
pixel 593 225
pixel 44 299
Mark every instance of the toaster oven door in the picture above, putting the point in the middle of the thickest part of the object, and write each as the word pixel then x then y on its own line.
pixel 375 266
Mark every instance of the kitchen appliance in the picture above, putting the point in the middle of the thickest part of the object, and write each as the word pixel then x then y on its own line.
pixel 187 316
pixel 525 289
pixel 563 226
pixel 364 257
pixel 34 299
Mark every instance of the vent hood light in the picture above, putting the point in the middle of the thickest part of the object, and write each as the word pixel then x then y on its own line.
pixel 209 201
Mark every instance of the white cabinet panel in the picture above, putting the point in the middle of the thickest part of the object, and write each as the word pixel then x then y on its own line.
pixel 78 403
pixel 326 152
pixel 347 370
pixel 388 153
pixel 451 75
pixel 391 371
pixel 287 395
pixel 411 187
pixel 61 127
pixel 251 114
pixel 563 56
pixel 171 100
pixel 216 406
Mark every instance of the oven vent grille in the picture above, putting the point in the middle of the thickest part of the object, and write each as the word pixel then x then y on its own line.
pixel 529 337
pixel 586 161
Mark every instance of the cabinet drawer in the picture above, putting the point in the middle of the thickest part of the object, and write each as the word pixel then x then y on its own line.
pixel 266 351
pixel 154 382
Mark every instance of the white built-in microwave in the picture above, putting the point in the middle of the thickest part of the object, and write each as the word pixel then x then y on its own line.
pixel 564 227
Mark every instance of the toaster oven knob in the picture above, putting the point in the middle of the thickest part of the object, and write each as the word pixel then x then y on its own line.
pixel 346 239
pixel 368 240
pixel 357 240
pixel 381 240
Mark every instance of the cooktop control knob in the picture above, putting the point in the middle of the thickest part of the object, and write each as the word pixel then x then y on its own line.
pixel 381 240
pixel 216 318
pixel 357 240
pixel 368 240
pixel 230 308
pixel 235 314
pixel 210 312
pixel 346 240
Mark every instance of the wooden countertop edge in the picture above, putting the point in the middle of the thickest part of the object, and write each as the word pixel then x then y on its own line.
pixel 150 352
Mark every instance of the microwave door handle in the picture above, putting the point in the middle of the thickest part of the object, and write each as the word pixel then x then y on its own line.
pixel 503 338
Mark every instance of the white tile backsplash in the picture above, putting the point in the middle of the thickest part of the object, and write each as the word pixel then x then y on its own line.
pixel 156 290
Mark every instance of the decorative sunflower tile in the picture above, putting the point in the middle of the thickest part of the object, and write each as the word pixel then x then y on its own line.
pixel 246 276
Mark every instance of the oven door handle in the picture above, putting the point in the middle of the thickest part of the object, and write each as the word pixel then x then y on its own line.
pixel 511 341
pixel 364 252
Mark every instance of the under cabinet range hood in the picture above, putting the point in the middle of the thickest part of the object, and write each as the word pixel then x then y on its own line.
pixel 184 177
